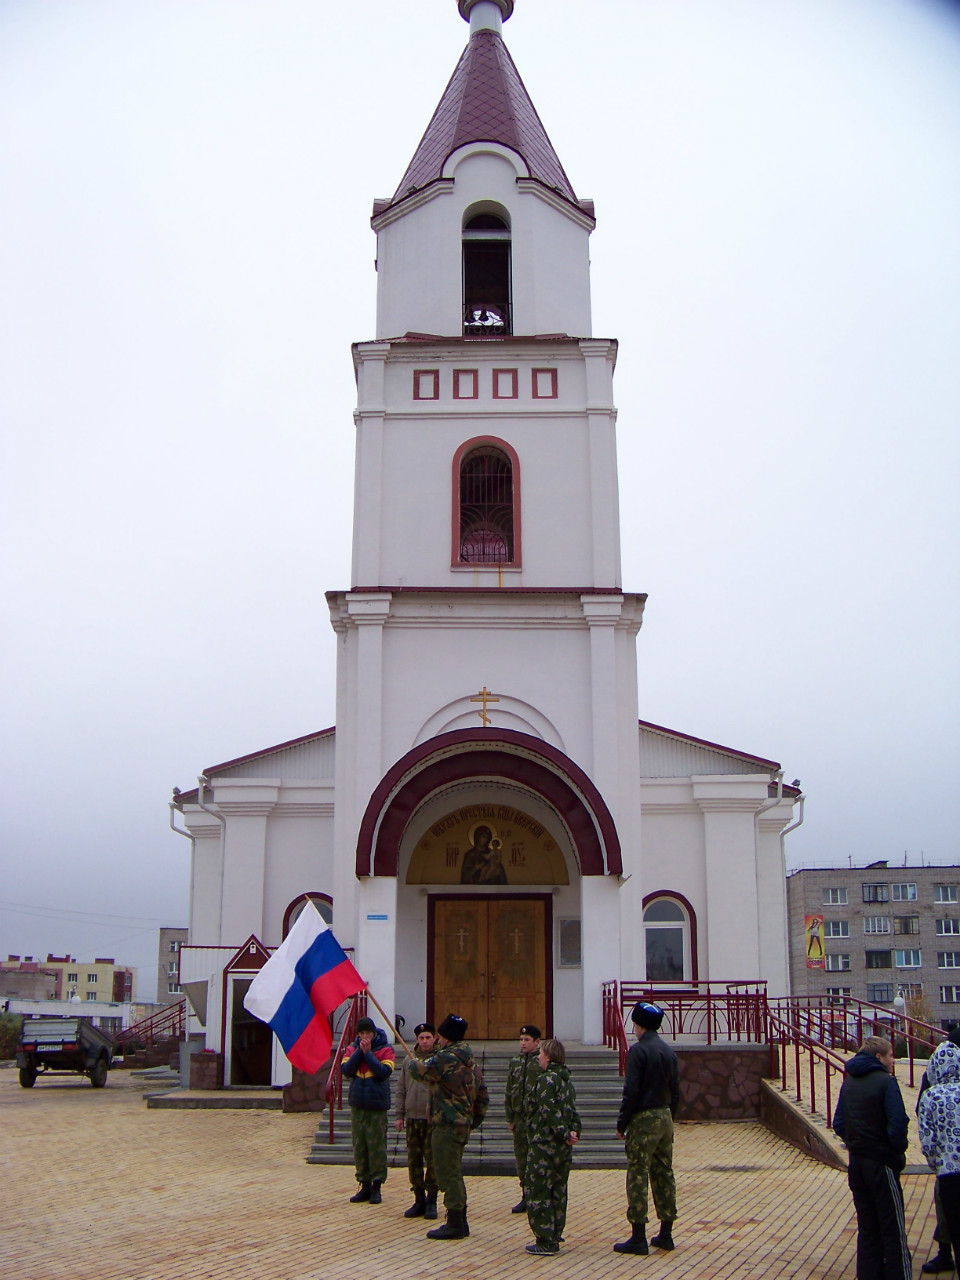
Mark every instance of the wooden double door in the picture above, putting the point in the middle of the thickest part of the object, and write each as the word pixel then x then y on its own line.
pixel 489 962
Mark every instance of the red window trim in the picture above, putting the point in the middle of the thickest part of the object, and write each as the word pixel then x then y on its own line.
pixel 418 376
pixel 687 905
pixel 465 448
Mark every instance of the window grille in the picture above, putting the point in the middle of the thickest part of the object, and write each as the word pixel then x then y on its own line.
pixel 486 507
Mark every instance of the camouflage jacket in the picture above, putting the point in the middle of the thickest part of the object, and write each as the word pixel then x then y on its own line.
pixel 458 1095
pixel 521 1077
pixel 553 1112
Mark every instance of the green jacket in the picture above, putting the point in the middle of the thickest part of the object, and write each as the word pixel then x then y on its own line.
pixel 458 1095
pixel 553 1114
pixel 522 1075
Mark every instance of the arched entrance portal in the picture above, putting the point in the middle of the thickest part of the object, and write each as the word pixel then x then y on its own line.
pixel 490 835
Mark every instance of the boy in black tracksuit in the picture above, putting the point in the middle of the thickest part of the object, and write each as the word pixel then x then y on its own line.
pixel 871 1120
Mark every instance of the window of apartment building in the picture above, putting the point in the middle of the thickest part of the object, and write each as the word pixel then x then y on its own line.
pixel 175 945
pixel 836 928
pixel 171 966
pixel 173 988
pixel 906 924
pixel 834 897
pixel 91 995
pixel 876 892
pixel 838 963
pixel 948 959
pixel 948 925
pixel 904 892
pixel 876 924
pixel 950 995
pixel 91 978
pixel 879 959
pixel 72 977
pixel 911 990
pixel 908 959
pixel 945 893
pixel 842 992
pixel 880 992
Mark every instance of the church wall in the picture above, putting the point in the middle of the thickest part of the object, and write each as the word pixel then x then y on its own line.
pixel 206 883
pixel 299 860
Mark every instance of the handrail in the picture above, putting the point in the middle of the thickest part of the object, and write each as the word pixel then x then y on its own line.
pixel 333 1089
pixel 166 1024
pixel 614 1030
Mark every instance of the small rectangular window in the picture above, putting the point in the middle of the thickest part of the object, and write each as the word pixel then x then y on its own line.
pixel 544 384
pixel 876 893
pixel 950 995
pixel 72 977
pixel 505 385
pixel 908 959
pixel 173 988
pixel 880 992
pixel 466 384
pixel 842 992
pixel 948 959
pixel 906 924
pixel 945 893
pixel 834 897
pixel 947 926
pixel 426 384
pixel 836 928
pixel 911 990
pixel 904 893
pixel 175 945
pixel 91 978
pixel 91 995
pixel 879 959
pixel 876 924
pixel 838 963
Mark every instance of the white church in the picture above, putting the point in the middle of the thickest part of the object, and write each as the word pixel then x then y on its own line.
pixel 491 827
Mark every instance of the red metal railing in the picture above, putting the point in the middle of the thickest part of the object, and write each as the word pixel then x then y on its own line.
pixel 333 1090
pixel 168 1024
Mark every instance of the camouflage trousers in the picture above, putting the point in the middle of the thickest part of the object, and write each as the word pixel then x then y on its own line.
pixel 520 1145
pixel 449 1142
pixel 650 1162
pixel 368 1129
pixel 545 1189
pixel 420 1157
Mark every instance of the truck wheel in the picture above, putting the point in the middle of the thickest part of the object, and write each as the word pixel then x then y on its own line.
pixel 98 1076
pixel 28 1077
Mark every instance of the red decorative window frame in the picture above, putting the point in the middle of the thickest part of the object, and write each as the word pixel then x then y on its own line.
pixel 426 384
pixel 514 392
pixel 466 384
pixel 467 447
pixel 687 906
pixel 298 900
pixel 537 377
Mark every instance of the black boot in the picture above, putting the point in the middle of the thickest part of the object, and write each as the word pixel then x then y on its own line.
pixel 637 1242
pixel 419 1207
pixel 453 1229
pixel 362 1194
pixel 521 1205
pixel 466 1224
pixel 375 1196
pixel 941 1263
pixel 664 1237
pixel 430 1207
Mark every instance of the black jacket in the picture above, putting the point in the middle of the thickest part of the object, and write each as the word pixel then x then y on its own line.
pixel 870 1117
pixel 653 1079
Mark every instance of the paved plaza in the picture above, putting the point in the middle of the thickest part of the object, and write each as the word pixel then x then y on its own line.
pixel 95 1183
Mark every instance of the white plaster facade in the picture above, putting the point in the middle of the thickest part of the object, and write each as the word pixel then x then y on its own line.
pixel 634 810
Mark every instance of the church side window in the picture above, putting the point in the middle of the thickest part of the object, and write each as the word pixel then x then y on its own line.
pixel 486 277
pixel 322 901
pixel 486 504
pixel 667 936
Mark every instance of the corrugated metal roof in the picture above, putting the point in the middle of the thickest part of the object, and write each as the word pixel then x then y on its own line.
pixel 664 753
pixel 485 101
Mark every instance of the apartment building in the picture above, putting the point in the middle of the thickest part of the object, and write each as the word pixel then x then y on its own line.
pixel 876 932
pixel 172 939
pixel 90 981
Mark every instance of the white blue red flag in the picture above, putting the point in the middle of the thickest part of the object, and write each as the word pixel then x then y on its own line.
pixel 305 979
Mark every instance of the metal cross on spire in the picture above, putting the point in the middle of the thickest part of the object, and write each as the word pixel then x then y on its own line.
pixel 484 696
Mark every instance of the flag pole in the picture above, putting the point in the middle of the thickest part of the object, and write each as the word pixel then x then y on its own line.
pixel 372 997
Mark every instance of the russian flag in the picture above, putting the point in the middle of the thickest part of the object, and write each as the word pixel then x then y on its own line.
pixel 306 978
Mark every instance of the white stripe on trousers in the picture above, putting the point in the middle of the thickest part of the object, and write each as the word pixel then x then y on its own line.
pixel 896 1196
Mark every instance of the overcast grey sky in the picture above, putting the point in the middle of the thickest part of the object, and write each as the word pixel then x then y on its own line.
pixel 185 188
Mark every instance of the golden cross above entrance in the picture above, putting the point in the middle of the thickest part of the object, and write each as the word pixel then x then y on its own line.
pixel 484 696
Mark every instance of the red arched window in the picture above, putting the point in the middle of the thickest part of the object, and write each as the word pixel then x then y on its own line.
pixel 486 528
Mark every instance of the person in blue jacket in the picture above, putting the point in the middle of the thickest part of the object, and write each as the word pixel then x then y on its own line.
pixel 871 1119
pixel 368 1064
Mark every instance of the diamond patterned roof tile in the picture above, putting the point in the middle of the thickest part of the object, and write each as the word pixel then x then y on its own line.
pixel 485 101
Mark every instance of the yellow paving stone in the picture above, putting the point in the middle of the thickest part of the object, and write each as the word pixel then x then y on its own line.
pixel 94 1181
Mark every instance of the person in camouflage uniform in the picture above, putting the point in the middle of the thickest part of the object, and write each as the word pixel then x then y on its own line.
pixel 553 1128
pixel 368 1064
pixel 458 1103
pixel 412 1108
pixel 651 1095
pixel 521 1077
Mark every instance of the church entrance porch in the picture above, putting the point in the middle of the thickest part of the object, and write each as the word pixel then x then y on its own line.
pixel 489 961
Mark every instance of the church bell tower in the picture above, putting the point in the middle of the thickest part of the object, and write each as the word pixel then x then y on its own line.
pixel 486 689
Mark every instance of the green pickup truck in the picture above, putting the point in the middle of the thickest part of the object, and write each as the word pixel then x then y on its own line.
pixel 63 1046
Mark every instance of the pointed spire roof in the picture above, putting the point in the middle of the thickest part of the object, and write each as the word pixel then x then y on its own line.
pixel 485 101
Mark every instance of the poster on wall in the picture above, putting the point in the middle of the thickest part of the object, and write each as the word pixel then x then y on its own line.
pixel 487 844
pixel 813 938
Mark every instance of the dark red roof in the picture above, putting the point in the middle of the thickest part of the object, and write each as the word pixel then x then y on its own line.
pixel 485 101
